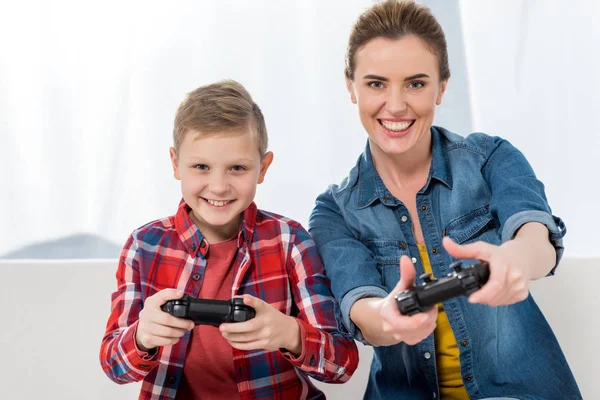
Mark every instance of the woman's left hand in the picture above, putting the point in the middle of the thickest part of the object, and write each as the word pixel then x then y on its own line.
pixel 510 270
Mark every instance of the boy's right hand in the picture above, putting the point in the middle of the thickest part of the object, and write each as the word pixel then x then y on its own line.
pixel 158 328
pixel 409 329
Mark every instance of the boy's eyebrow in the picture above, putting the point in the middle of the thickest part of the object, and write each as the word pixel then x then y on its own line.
pixel 384 79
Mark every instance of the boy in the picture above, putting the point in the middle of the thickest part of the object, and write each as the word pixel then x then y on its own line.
pixel 218 245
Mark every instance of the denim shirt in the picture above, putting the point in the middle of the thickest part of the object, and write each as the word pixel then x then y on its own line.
pixel 479 188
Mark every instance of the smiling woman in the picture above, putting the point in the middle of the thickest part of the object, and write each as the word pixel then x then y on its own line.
pixel 419 198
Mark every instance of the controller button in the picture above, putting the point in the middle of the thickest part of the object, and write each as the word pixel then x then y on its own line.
pixel 426 277
pixel 427 355
pixel 404 218
pixel 468 378
pixel 464 343
pixel 196 277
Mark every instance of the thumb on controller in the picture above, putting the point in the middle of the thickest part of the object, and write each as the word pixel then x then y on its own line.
pixel 407 275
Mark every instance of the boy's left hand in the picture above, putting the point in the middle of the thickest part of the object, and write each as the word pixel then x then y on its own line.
pixel 270 329
pixel 510 270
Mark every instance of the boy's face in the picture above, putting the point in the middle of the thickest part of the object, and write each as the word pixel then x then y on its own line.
pixel 219 173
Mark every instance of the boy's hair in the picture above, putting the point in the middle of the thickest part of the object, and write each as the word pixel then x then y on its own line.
pixel 224 106
pixel 394 19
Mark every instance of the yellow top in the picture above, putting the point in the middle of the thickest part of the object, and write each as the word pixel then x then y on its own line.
pixel 447 355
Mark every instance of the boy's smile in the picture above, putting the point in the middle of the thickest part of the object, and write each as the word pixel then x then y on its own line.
pixel 219 173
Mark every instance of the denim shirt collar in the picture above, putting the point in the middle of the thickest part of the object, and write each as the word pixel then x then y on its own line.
pixel 371 187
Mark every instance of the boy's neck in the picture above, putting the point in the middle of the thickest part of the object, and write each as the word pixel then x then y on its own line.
pixel 216 234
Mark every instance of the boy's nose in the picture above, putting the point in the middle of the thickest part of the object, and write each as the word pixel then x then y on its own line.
pixel 219 185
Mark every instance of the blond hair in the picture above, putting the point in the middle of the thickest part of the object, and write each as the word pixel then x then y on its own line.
pixel 220 107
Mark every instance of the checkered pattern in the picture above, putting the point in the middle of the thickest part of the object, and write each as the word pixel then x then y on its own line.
pixel 277 261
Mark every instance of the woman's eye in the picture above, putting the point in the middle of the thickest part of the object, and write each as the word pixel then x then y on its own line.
pixel 202 167
pixel 417 84
pixel 376 85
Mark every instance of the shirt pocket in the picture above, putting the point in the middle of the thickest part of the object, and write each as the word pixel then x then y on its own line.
pixel 473 226
pixel 386 254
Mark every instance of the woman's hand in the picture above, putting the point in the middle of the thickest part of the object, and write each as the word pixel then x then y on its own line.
pixel 512 265
pixel 403 328
pixel 270 329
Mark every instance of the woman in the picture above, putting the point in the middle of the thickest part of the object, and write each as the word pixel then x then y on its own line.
pixel 423 197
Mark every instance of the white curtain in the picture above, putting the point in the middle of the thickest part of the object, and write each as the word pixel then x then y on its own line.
pixel 88 92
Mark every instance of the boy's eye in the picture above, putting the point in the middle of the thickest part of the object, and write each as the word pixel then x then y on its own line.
pixel 238 168
pixel 416 84
pixel 202 167
pixel 375 84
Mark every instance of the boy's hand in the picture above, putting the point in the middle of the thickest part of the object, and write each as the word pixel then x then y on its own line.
pixel 270 329
pixel 156 327
pixel 404 328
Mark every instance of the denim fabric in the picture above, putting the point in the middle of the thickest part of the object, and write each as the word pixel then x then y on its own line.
pixel 479 188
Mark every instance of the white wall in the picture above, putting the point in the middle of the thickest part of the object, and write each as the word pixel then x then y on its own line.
pixel 53 317
pixel 88 92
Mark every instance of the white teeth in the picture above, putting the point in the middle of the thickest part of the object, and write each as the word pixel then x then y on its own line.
pixel 218 203
pixel 396 126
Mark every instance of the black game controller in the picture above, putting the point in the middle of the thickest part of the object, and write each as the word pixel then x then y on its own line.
pixel 461 282
pixel 209 312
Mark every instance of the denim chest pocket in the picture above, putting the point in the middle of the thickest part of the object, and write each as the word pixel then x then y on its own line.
pixel 473 226
pixel 386 254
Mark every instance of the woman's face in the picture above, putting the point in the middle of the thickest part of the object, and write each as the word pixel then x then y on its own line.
pixel 396 86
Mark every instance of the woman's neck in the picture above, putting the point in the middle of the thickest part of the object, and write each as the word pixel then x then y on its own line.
pixel 407 171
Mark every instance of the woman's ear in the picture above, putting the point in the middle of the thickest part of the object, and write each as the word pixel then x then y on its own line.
pixel 350 87
pixel 443 85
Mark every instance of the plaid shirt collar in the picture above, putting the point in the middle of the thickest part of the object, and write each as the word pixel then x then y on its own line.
pixel 194 240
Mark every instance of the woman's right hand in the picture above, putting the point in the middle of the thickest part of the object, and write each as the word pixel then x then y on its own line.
pixel 158 328
pixel 403 328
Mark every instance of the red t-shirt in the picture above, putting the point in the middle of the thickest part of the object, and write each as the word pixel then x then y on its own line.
pixel 208 370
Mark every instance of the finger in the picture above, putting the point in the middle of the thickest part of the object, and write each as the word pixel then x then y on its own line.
pixel 241 327
pixel 166 319
pixel 494 287
pixel 255 345
pixel 160 298
pixel 407 275
pixel 254 302
pixel 478 250
pixel 240 337
pixel 166 331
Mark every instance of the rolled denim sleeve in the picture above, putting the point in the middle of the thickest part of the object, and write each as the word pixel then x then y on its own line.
pixel 518 197
pixel 349 264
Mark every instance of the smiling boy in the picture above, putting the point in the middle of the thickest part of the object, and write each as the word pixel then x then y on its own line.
pixel 219 245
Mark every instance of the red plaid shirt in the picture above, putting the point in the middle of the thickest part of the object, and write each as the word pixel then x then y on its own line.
pixel 277 261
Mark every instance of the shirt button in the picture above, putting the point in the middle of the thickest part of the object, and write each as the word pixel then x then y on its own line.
pixel 464 343
pixel 404 218
pixel 468 378
pixel 414 260
pixel 386 198
pixel 424 207
pixel 193 247
pixel 196 277
pixel 171 380
pixel 203 244
pixel 312 361
pixel 427 355
pixel 434 250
